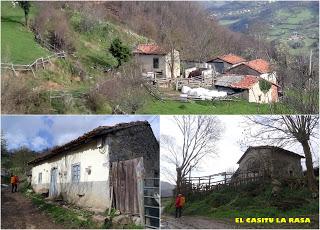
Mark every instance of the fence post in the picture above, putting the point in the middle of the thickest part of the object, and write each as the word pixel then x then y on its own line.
pixel 34 75
pixel 14 72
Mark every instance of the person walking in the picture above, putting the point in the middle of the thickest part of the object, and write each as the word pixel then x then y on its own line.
pixel 179 204
pixel 13 182
pixel 16 180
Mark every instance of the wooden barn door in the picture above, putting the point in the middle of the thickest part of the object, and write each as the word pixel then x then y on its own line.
pixel 127 186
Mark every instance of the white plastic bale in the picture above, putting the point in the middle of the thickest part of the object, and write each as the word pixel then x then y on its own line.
pixel 185 89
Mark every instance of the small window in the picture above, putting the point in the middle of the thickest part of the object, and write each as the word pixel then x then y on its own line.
pixel 290 173
pixel 75 173
pixel 259 97
pixel 155 63
pixel 40 178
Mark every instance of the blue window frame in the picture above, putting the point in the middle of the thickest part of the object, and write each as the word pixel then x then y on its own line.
pixel 75 173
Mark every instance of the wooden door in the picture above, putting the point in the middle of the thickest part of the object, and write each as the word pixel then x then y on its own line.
pixel 126 181
pixel 53 190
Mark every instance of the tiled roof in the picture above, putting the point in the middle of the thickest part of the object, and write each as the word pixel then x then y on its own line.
pixel 149 49
pixel 260 65
pixel 85 138
pixel 272 148
pixel 236 81
pixel 230 58
pixel 246 82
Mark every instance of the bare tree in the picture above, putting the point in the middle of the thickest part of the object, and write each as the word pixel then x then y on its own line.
pixel 285 130
pixel 199 135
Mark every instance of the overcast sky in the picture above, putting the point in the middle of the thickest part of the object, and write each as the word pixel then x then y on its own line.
pixel 229 149
pixel 40 132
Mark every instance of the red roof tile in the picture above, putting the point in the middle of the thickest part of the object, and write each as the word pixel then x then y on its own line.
pixel 149 49
pixel 230 58
pixel 260 65
pixel 245 82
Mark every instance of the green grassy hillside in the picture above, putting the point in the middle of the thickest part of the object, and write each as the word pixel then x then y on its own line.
pixel 64 86
pixel 17 42
pixel 253 200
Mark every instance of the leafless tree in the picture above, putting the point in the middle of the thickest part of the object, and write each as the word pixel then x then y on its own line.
pixel 286 130
pixel 198 136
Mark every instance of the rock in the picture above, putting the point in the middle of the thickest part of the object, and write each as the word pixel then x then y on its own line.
pixel 276 187
pixel 98 218
pixel 117 213
pixel 136 220
pixel 122 220
pixel 82 218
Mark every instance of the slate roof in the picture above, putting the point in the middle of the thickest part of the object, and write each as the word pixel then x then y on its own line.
pixel 87 137
pixel 274 148
pixel 230 58
pixel 149 49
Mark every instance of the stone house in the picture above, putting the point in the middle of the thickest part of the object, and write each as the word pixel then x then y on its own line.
pixel 106 167
pixel 246 87
pixel 156 61
pixel 258 67
pixel 270 161
pixel 224 62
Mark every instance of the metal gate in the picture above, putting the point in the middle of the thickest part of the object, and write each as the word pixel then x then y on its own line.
pixel 152 202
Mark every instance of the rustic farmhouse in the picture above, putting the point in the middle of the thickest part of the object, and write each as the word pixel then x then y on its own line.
pixel 258 67
pixel 222 63
pixel 270 161
pixel 248 87
pixel 157 62
pixel 106 167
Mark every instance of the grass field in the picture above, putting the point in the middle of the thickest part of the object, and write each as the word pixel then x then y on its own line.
pixel 17 42
pixel 203 107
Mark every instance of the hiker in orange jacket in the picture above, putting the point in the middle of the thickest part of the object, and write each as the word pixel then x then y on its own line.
pixel 14 180
pixel 180 200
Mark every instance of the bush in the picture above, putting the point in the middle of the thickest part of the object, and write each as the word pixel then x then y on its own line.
pixel 52 25
pixel 19 98
pixel 121 52
pixel 123 89
pixel 264 85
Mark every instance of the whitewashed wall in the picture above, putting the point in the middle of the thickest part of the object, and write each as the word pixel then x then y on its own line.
pixel 255 92
pixel 93 188
pixel 272 77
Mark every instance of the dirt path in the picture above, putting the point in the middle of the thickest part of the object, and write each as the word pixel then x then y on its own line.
pixel 19 212
pixel 193 222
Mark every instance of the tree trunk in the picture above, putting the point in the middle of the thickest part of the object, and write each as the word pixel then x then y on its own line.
pixel 179 180
pixel 310 174
pixel 172 63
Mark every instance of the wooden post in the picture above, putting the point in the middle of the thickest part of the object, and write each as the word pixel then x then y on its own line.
pixel 14 71
pixel 34 75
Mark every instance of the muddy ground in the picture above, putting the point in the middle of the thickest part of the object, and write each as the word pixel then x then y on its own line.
pixel 18 212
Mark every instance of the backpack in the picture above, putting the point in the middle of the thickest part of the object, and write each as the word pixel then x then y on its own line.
pixel 182 201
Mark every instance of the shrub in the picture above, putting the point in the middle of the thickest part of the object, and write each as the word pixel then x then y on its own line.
pixel 52 25
pixel 121 52
pixel 123 89
pixel 18 97
pixel 264 85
